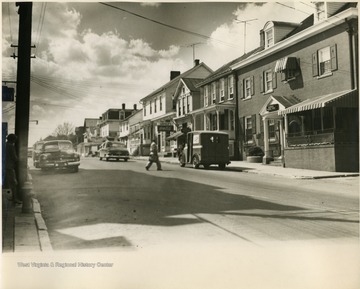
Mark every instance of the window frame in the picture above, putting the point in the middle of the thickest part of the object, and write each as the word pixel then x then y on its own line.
pixel 213 93
pixel 268 81
pixel 222 90
pixel 267 42
pixel 206 95
pixel 247 87
pixel 248 139
pixel 332 62
pixel 231 86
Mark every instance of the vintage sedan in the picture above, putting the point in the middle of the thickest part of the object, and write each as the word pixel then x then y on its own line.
pixel 113 150
pixel 59 154
pixel 36 153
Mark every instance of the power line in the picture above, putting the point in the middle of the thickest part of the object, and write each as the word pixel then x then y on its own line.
pixel 170 26
pixel 307 13
pixel 40 24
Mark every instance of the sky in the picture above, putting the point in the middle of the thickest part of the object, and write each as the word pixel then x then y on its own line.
pixel 92 56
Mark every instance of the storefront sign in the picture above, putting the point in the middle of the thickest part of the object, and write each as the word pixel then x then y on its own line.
pixel 272 107
pixel 165 127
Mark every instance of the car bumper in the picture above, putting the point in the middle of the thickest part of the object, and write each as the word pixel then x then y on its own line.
pixel 117 157
pixel 59 165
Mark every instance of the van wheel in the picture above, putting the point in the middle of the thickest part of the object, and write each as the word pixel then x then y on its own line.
pixel 206 167
pixel 196 162
pixel 221 166
pixel 100 158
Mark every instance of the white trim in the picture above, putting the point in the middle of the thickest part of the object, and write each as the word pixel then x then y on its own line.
pixel 301 36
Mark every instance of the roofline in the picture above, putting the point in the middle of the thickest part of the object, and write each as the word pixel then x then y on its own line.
pixel 174 80
pixel 302 35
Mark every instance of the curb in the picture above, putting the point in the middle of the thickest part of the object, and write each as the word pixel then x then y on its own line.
pixel 44 239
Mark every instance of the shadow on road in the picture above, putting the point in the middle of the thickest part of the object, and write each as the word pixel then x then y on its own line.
pixel 94 197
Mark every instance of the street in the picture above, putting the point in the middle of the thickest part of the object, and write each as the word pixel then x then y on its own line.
pixel 112 206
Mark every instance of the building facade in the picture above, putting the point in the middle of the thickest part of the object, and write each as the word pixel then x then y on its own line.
pixel 298 96
pixel 159 109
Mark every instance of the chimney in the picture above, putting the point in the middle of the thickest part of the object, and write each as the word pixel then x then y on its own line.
pixel 196 62
pixel 135 107
pixel 174 74
pixel 123 106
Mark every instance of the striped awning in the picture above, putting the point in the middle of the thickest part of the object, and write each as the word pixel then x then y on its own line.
pixel 347 98
pixel 174 136
pixel 286 63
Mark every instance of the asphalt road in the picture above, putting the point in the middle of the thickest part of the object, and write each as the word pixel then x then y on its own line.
pixel 112 206
pixel 125 227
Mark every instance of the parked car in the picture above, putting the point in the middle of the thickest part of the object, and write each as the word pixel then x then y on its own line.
pixel 58 154
pixel 113 150
pixel 36 153
pixel 206 148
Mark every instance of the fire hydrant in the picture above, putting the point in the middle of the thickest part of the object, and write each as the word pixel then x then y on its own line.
pixel 27 194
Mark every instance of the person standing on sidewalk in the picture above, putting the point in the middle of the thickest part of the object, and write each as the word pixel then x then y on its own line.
pixel 10 164
pixel 153 157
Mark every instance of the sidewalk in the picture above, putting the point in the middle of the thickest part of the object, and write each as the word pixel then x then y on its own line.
pixel 23 232
pixel 279 171
pixel 27 232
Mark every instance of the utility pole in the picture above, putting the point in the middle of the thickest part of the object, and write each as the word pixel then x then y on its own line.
pixel 22 112
pixel 244 21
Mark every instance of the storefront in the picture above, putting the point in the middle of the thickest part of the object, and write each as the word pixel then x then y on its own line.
pixel 322 133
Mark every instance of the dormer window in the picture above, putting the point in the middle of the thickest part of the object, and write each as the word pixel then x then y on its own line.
pixel 269 37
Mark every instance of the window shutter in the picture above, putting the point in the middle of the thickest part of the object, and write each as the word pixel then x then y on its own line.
pixel 315 69
pixel 274 80
pixel 241 90
pixel 333 54
pixel 262 82
pixel 252 85
pixel 253 123
pixel 226 80
pixel 241 127
pixel 283 75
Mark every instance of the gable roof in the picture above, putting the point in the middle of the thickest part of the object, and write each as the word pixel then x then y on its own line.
pixel 176 79
pixel 226 68
pixel 190 84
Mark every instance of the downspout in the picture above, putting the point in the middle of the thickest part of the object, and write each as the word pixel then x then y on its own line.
pixel 352 54
pixel 237 122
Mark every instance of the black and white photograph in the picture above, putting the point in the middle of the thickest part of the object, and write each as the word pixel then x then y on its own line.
pixel 180 145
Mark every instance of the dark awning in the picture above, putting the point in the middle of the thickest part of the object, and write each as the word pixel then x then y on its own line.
pixel 348 98
pixel 286 63
pixel 175 135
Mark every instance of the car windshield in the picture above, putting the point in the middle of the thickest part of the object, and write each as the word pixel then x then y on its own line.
pixel 116 145
pixel 58 146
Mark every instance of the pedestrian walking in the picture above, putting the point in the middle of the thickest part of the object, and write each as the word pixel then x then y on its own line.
pixel 153 157
pixel 10 164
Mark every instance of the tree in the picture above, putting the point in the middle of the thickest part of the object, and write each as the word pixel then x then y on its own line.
pixel 65 129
